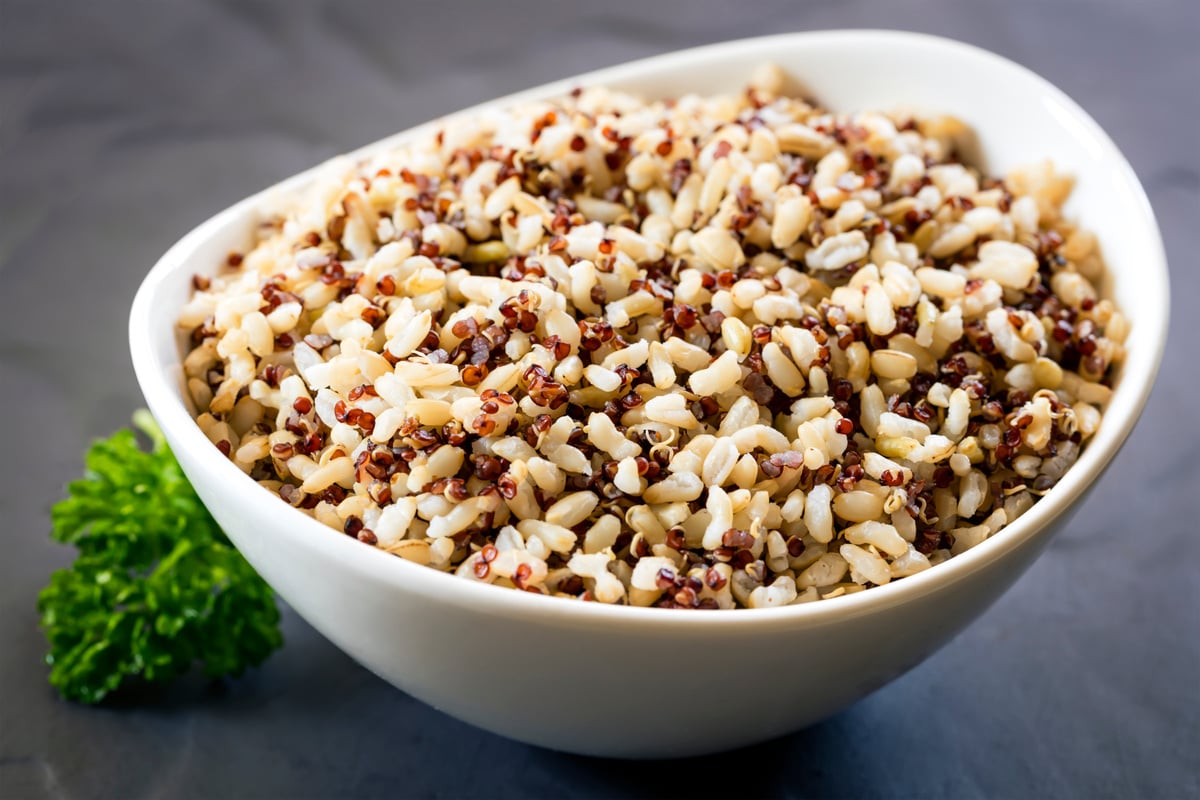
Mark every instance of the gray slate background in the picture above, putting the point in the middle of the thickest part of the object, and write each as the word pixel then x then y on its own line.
pixel 124 124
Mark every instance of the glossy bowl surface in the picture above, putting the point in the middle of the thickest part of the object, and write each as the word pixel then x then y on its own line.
pixel 638 682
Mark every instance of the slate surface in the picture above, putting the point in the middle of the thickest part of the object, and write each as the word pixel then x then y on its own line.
pixel 123 124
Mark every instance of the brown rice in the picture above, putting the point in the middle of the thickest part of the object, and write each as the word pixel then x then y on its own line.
pixel 703 353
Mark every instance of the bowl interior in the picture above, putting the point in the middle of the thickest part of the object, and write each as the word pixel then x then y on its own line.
pixel 1018 118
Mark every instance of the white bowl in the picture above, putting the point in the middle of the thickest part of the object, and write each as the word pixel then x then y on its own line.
pixel 645 682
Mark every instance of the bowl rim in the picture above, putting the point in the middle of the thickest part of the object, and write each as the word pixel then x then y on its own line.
pixel 1128 399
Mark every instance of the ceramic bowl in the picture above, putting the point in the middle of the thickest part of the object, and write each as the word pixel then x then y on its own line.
pixel 645 682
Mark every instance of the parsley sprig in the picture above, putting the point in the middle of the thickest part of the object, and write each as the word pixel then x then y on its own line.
pixel 157 587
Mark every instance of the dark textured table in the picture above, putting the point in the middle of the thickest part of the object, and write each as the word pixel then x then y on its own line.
pixel 124 124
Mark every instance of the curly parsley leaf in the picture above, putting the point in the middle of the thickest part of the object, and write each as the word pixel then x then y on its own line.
pixel 157 587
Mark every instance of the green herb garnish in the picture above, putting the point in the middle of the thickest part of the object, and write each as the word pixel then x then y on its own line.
pixel 156 587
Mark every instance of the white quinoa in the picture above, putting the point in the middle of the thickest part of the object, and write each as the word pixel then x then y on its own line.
pixel 705 353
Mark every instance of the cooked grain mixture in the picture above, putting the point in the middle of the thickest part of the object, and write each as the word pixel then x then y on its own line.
pixel 704 353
